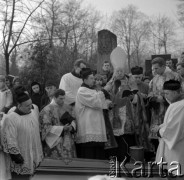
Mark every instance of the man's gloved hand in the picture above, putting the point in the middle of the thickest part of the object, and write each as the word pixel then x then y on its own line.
pixel 17 158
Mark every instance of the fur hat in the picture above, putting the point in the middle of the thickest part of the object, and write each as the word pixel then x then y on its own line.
pixel 137 70
pixel 22 97
pixel 19 90
pixel 172 85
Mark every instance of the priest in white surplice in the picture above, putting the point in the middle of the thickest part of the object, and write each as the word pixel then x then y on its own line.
pixel 21 138
pixel 71 82
pixel 171 132
pixel 91 131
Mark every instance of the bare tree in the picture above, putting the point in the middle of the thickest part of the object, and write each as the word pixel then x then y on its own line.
pixel 47 20
pixel 180 12
pixel 130 26
pixel 69 27
pixel 15 24
pixel 162 30
pixel 140 38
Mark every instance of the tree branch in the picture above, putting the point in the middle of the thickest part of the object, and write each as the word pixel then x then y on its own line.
pixel 15 44
pixel 11 26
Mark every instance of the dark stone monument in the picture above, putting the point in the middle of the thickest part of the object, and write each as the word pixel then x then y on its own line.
pixel 148 71
pixel 164 56
pixel 107 41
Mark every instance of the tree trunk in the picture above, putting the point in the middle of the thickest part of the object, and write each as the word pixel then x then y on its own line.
pixel 165 48
pixel 7 57
pixel 129 67
pixel 137 53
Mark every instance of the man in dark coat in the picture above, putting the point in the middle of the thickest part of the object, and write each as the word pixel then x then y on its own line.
pixel 36 94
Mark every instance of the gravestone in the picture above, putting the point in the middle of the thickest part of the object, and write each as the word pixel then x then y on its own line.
pixel 164 56
pixel 148 71
pixel 107 41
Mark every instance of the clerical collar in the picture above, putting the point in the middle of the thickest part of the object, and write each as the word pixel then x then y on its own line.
pixel 75 74
pixel 19 112
pixel 87 86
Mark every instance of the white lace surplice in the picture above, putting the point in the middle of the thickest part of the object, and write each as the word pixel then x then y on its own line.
pixel 21 135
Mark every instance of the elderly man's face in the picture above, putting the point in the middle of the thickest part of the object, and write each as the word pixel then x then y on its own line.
pixel 171 95
pixel 119 74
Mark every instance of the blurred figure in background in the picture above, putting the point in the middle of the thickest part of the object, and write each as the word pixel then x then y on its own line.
pixel 36 94
pixel 50 88
pixel 180 71
pixel 106 69
pixel 16 82
pixel 169 63
pixel 8 82
pixel 98 82
pixel 104 78
pixel 146 80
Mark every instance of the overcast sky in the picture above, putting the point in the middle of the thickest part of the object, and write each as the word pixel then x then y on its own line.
pixel 149 7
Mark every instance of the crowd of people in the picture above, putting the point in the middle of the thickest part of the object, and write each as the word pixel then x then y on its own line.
pixel 92 116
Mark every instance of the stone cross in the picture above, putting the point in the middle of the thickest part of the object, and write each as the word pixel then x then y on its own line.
pixel 107 41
